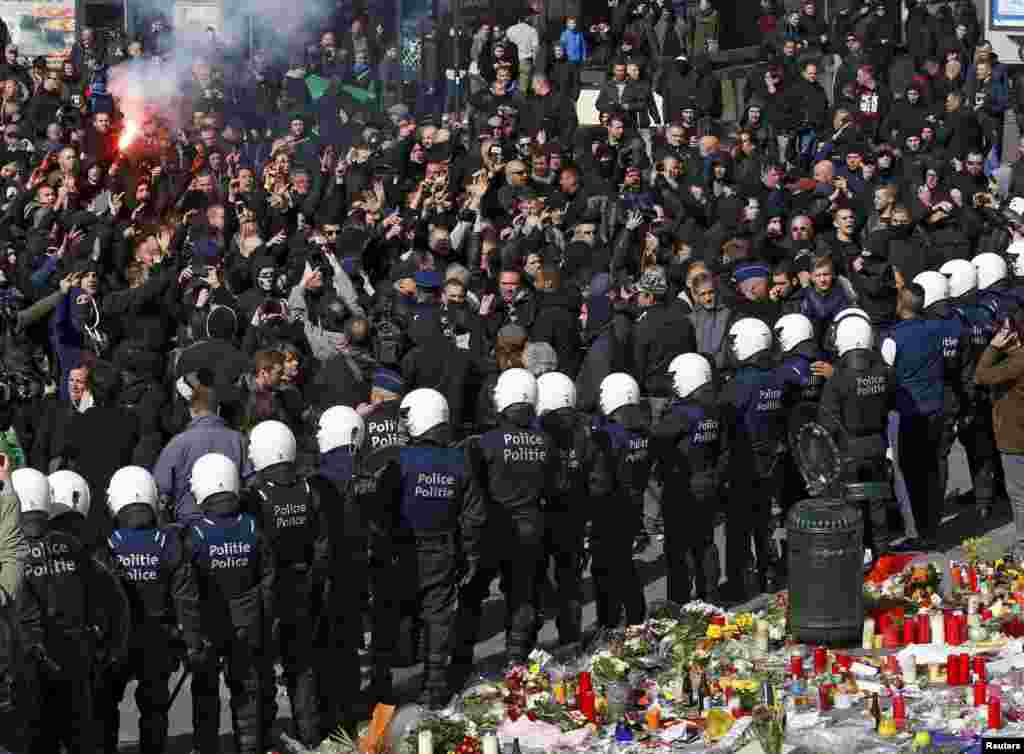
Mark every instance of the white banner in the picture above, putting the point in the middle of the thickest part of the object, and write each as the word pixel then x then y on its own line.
pixel 40 28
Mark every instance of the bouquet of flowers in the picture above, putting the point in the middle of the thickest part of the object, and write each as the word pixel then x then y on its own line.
pixel 918 583
pixel 769 727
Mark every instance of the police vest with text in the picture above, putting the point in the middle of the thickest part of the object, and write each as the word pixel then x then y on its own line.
pixel 227 555
pixel 143 557
pixel 54 575
pixel 432 479
pixel 288 520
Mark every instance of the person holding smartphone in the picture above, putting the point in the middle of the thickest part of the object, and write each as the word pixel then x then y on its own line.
pixel 1002 366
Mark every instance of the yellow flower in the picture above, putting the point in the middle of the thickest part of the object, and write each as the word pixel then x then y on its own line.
pixel 744 620
pixel 729 629
pixel 714 632
pixel 999 562
pixel 746 685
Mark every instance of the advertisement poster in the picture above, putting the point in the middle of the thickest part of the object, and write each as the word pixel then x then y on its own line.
pixel 1007 14
pixel 40 28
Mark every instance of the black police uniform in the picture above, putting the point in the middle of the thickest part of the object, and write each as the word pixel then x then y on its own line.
pixel 55 630
pixel 162 591
pixel 565 515
pixel 384 438
pixel 689 446
pixel 288 514
pixel 518 464
pixel 621 472
pixel 800 396
pixel 441 517
pixel 957 352
pixel 340 633
pixel 234 569
pixel 753 408
pixel 854 409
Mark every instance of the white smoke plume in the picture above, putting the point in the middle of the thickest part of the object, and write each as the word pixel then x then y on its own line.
pixel 156 85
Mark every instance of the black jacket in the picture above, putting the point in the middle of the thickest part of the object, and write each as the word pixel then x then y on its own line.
pixel 855 404
pixel 661 333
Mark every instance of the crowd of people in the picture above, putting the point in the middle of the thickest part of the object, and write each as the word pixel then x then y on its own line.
pixel 276 364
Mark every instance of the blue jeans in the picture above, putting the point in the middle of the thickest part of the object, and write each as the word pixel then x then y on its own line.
pixel 899 484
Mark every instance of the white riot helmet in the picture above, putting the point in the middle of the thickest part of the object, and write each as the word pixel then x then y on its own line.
pixel 853 333
pixel 423 409
pixel 791 330
pixel 1017 205
pixel 515 386
pixel 32 489
pixel 271 442
pixel 935 285
pixel 991 269
pixel 749 337
pixel 689 371
pixel 1016 253
pixel 617 390
pixel 69 492
pixel 212 474
pixel 131 485
pixel 554 391
pixel 340 426
pixel 962 276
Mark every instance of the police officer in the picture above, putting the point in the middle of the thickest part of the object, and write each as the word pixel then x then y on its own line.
pixel 622 470
pixel 802 371
pixel 689 447
pixel 977 312
pixel 288 514
pixel 565 510
pixel 517 464
pixel 440 520
pixel 752 405
pixel 956 350
pixel 162 591
pixel 339 437
pixel 914 348
pixel 234 570
pixel 384 436
pixel 55 628
pixel 854 409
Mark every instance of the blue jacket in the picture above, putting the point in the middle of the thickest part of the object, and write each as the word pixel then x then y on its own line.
pixel 752 405
pixel 915 349
pixel 204 434
pixel 574 44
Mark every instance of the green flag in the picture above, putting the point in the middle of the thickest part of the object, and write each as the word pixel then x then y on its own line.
pixel 317 85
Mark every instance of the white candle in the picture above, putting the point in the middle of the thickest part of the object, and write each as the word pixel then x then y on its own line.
pixel 490 744
pixel 908 667
pixel 972 604
pixel 938 622
pixel 869 633
pixel 426 742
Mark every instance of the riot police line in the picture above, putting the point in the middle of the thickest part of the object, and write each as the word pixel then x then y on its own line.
pixel 281 567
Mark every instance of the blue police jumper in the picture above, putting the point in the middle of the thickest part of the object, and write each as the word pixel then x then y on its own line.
pixel 919 365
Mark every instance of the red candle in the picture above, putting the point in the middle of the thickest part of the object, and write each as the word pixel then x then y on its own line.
pixel 952 670
pixel 955 572
pixel 824 698
pixel 963 674
pixel 585 683
pixel 718 620
pixel 820 660
pixel 995 713
pixel 924 628
pixel 980 693
pixel 986 614
pixel 899 708
pixel 845 661
pixel 961 624
pixel 949 623
pixel 796 665
pixel 587 704
pixel 909 631
pixel 974 579
pixel 980 673
pixel 891 637
pixel 892 665
pixel 884 619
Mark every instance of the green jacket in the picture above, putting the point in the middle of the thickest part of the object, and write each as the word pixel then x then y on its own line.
pixel 12 545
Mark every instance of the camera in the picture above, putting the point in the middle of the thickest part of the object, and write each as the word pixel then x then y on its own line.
pixel 319 262
pixel 388 338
